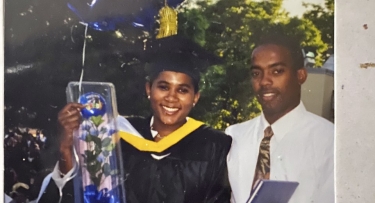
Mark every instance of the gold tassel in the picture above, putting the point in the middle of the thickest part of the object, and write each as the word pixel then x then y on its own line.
pixel 168 22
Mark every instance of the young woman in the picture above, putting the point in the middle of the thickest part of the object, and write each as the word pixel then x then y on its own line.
pixel 192 166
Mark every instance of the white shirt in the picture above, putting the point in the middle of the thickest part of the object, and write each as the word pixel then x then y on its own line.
pixel 302 150
pixel 154 133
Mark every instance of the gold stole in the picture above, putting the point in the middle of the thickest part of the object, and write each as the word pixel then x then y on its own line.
pixel 150 146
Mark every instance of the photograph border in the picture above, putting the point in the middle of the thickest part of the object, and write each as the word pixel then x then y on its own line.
pixel 348 28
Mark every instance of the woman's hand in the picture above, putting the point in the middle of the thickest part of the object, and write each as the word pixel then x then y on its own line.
pixel 68 121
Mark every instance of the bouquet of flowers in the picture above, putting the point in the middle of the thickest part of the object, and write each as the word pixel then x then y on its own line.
pixel 97 147
pixel 97 133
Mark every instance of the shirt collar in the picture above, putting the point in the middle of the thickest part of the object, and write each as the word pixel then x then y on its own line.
pixel 285 123
pixel 154 132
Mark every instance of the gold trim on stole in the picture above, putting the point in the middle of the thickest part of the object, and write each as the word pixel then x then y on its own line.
pixel 168 141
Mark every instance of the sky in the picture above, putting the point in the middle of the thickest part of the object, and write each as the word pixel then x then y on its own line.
pixel 295 8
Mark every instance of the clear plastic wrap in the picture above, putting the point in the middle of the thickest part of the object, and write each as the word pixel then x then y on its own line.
pixel 96 144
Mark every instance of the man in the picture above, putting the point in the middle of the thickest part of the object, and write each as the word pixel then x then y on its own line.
pixel 299 144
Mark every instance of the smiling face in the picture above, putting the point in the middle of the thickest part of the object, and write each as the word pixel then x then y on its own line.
pixel 276 82
pixel 172 96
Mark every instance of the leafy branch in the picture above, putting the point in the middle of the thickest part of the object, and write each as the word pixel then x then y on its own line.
pixel 97 157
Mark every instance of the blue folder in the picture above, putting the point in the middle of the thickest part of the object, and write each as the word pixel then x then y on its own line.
pixel 272 191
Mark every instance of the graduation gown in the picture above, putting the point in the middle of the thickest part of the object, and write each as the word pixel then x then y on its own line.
pixel 193 171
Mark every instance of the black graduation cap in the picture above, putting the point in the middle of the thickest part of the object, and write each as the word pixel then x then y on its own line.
pixel 178 54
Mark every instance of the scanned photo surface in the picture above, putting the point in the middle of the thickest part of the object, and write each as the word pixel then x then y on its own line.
pixel 195 100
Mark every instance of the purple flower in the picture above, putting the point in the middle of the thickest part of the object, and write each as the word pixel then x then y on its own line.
pixel 100 158
pixel 94 132
pixel 83 135
pixel 85 127
pixel 112 131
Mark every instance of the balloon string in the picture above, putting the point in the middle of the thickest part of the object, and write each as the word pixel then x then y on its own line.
pixel 71 33
pixel 74 173
pixel 83 57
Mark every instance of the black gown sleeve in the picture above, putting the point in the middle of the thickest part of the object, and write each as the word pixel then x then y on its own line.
pixel 219 189
pixel 51 193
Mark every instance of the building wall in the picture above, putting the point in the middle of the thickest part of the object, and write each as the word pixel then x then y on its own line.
pixel 317 92
pixel 327 97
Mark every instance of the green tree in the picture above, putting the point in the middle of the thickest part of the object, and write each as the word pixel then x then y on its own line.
pixel 323 18
pixel 192 24
pixel 228 28
pixel 227 96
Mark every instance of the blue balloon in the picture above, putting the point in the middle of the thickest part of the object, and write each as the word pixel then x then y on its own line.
pixel 109 15
pixel 95 105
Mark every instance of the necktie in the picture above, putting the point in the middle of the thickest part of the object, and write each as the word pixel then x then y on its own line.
pixel 262 170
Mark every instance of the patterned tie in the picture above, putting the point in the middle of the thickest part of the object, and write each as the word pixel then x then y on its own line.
pixel 262 170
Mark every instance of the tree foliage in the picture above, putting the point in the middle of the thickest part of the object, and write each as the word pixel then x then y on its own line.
pixel 323 18
pixel 234 27
pixel 228 28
